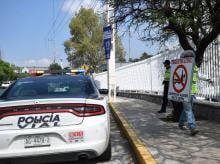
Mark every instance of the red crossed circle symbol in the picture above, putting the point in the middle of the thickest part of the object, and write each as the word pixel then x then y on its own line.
pixel 180 79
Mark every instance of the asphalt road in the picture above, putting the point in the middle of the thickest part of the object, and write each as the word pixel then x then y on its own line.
pixel 121 151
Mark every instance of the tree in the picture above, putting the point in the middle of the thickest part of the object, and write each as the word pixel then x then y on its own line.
pixel 54 67
pixel 85 46
pixel 145 56
pixel 86 43
pixel 196 23
pixel 73 57
pixel 22 75
pixel 6 71
pixel 119 50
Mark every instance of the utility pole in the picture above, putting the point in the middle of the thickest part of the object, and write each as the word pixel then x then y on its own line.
pixel 111 62
pixel 129 44
pixel 53 40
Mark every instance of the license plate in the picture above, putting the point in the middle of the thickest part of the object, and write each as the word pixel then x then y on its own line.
pixel 36 141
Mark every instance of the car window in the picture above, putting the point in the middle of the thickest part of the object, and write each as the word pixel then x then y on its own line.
pixel 51 87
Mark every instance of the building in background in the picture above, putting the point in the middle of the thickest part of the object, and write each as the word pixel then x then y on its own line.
pixel 34 70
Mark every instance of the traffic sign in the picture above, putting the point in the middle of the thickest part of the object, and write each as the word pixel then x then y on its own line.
pixel 107 38
pixel 180 80
pixel 85 67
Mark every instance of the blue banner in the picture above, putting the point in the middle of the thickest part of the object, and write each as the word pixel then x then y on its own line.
pixel 107 38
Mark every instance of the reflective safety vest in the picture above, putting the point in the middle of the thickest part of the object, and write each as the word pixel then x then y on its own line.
pixel 167 75
pixel 194 80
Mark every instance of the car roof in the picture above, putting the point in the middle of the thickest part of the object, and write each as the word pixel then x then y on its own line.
pixel 55 77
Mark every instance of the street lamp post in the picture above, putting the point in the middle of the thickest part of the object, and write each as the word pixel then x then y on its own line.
pixel 111 60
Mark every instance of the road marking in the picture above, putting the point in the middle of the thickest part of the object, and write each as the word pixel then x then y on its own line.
pixel 142 153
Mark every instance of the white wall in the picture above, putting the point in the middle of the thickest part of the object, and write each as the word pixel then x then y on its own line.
pixel 147 75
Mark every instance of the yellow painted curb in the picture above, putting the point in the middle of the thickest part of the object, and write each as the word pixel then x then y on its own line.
pixel 142 153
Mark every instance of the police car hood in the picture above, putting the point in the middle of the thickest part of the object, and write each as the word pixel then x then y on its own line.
pixel 41 113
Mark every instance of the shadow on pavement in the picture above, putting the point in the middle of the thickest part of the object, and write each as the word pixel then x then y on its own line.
pixel 165 140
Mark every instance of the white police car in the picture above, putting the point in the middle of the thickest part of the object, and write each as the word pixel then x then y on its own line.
pixel 50 116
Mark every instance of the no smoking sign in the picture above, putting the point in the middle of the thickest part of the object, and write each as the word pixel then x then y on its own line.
pixel 180 77
pixel 180 80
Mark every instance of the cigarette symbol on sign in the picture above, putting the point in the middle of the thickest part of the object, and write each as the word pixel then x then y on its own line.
pixel 180 78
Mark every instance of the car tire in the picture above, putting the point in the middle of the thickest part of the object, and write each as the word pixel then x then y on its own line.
pixel 106 156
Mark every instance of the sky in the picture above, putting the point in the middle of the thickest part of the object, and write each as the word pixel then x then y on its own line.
pixel 32 32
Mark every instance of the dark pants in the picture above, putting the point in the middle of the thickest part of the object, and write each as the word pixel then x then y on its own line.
pixel 177 110
pixel 177 106
pixel 165 97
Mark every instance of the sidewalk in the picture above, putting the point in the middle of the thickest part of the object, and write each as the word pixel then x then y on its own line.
pixel 166 142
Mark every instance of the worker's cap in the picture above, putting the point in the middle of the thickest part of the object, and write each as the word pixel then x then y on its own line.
pixel 166 62
pixel 187 53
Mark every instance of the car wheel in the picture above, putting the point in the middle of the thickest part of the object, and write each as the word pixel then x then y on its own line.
pixel 106 156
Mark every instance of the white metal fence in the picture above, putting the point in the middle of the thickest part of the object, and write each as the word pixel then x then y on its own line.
pixel 211 68
pixel 147 75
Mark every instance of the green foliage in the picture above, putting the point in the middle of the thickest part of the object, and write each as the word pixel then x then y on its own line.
pixel 195 22
pixel 119 50
pixel 6 71
pixel 143 57
pixel 54 67
pixel 22 75
pixel 133 60
pixel 86 44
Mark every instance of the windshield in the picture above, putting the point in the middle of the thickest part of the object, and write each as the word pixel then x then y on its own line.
pixel 51 87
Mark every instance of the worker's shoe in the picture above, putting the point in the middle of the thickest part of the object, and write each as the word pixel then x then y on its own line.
pixel 193 132
pixel 182 127
pixel 161 111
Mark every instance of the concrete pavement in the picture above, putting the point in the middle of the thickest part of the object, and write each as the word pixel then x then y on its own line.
pixel 165 141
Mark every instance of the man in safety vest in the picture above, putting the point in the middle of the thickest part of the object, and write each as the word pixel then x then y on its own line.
pixel 166 86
